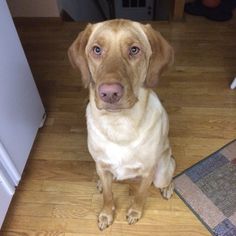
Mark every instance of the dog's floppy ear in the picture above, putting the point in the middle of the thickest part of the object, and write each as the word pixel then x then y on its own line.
pixel 162 56
pixel 77 57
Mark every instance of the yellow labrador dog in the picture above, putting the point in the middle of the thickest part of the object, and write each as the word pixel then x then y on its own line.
pixel 120 61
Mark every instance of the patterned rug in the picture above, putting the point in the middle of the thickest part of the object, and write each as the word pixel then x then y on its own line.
pixel 209 189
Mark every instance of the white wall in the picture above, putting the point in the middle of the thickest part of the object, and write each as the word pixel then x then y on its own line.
pixel 33 8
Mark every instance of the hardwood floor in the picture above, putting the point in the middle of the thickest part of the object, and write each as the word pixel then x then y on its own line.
pixel 57 194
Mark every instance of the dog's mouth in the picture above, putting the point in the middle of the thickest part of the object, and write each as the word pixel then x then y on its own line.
pixel 114 108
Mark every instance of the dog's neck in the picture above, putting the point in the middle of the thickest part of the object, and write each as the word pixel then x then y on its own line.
pixel 125 124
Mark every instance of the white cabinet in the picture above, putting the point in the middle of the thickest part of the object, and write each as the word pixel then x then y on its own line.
pixel 21 109
pixel 5 201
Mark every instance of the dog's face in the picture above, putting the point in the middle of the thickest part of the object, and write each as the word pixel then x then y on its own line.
pixel 118 57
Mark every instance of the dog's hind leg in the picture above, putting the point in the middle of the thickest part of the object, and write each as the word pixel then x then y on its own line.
pixel 168 191
pixel 164 175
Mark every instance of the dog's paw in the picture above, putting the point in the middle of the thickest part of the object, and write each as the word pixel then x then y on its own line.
pixel 104 220
pixel 99 186
pixel 168 191
pixel 133 216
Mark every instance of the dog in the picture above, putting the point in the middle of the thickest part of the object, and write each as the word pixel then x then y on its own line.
pixel 120 62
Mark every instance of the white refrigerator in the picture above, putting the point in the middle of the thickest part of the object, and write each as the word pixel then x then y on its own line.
pixel 21 109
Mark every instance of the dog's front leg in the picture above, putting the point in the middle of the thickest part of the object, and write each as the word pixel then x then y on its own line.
pixel 135 211
pixel 106 215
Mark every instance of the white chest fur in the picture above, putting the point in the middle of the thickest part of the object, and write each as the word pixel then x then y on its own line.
pixel 127 143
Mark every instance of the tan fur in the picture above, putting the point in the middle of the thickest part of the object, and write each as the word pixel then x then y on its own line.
pixel 128 139
pixel 77 55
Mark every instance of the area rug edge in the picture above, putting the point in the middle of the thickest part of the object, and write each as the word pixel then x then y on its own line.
pixel 184 171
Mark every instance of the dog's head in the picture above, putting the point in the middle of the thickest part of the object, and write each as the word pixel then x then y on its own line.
pixel 118 57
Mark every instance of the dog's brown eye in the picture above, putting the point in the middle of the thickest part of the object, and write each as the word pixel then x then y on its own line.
pixel 97 50
pixel 134 51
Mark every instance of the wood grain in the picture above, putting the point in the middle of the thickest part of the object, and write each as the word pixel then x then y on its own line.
pixel 57 195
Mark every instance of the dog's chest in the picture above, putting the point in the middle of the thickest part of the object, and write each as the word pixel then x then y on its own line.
pixel 128 145
pixel 122 150
pixel 123 162
pixel 114 151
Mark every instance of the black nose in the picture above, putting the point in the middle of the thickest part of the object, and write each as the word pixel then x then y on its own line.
pixel 110 93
